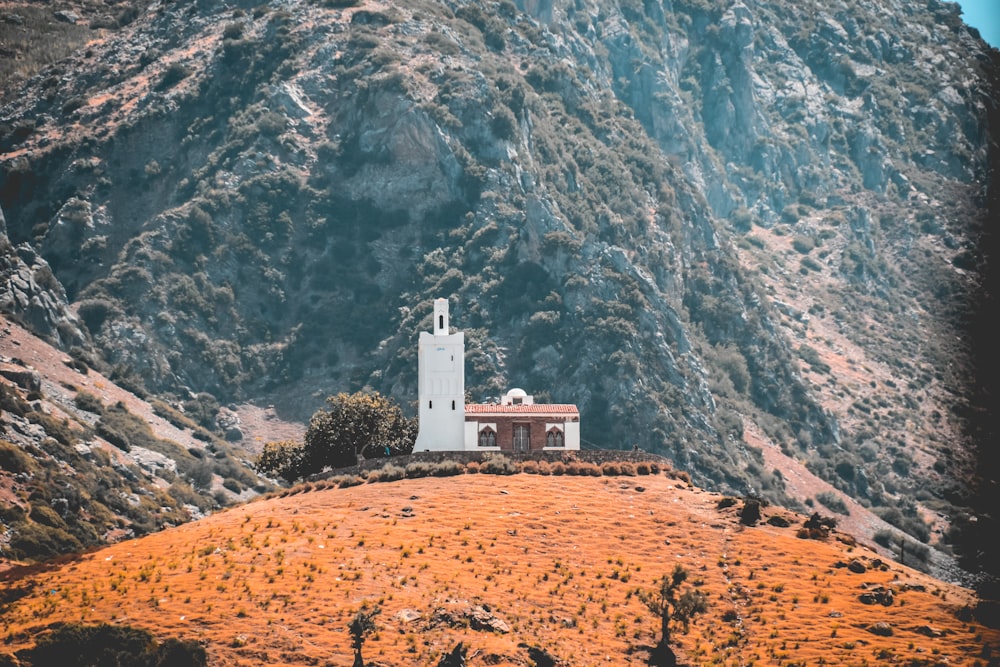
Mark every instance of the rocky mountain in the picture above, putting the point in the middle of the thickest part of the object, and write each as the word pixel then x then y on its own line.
pixel 721 228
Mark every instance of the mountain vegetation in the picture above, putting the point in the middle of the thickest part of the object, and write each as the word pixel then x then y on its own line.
pixel 721 228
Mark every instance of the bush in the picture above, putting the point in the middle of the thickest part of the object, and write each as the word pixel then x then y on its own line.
pixel 448 469
pixel 832 502
pixel 418 469
pixel 725 502
pixel 498 464
pixel 584 469
pixel 174 74
pixel 388 473
pixel 345 481
pixel 558 468
pixel 87 401
pixel 610 469
pixel 73 103
pixel 12 459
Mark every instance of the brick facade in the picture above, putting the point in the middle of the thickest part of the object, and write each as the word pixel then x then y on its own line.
pixel 536 424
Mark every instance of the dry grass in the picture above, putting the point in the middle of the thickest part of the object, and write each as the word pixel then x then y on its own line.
pixel 31 38
pixel 557 559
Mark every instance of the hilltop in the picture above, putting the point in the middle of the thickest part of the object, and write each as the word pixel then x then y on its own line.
pixel 503 564
pixel 719 228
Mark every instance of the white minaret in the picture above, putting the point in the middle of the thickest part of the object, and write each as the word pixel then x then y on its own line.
pixel 441 372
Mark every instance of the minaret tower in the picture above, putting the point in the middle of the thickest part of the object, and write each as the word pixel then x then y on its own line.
pixel 441 372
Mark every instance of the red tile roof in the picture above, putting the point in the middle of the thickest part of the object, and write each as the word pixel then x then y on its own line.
pixel 535 409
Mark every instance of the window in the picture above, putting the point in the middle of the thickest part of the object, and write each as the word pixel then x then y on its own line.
pixel 517 400
pixel 487 438
pixel 430 404
pixel 522 437
pixel 440 321
pixel 453 405
pixel 554 438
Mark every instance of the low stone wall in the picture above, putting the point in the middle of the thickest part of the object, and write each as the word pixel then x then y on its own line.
pixel 596 456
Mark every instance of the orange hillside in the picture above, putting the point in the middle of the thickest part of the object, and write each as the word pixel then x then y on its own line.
pixel 501 564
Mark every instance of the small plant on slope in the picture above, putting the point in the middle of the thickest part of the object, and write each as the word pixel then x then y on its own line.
pixel 362 625
pixel 672 606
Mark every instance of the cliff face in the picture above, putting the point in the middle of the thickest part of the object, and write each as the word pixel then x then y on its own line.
pixel 694 219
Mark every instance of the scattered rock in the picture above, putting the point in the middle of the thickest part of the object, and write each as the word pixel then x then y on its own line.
pixel 882 629
pixel 408 615
pixel 67 16
pixel 880 595
pixel 928 631
pixel 476 617
pixel 750 514
pixel 857 567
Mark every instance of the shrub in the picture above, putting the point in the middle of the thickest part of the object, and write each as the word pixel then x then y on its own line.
pixel 174 74
pixel 884 537
pixel 418 469
pixel 544 468
pixel 558 468
pixel 610 469
pixel 73 103
pixel 448 469
pixel 12 459
pixel 345 481
pixel 584 469
pixel 388 473
pixel 87 401
pixel 498 464
pixel 725 502
pixel 530 467
pixel 832 502
pixel 642 468
pixel 627 469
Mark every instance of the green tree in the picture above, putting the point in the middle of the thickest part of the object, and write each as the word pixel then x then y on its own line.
pixel 362 625
pixel 354 426
pixel 359 425
pixel 672 607
pixel 282 459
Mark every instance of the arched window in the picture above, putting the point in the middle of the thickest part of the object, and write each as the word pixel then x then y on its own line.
pixel 440 322
pixel 487 438
pixel 554 438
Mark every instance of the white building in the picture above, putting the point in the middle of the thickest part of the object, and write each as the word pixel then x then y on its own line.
pixel 518 424
pixel 447 424
pixel 441 379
